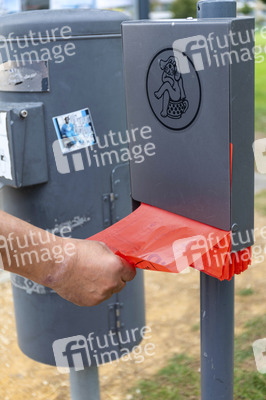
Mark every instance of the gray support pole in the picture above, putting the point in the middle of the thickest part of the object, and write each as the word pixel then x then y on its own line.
pixel 85 384
pixel 217 298
pixel 217 338
pixel 144 9
pixel 216 8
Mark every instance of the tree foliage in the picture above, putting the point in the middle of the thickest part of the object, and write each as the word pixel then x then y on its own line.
pixel 246 9
pixel 184 8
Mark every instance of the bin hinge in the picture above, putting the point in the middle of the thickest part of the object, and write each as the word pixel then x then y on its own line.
pixel 108 209
pixel 115 323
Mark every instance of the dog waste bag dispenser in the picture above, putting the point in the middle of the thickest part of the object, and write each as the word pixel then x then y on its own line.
pixel 192 82
pixel 61 92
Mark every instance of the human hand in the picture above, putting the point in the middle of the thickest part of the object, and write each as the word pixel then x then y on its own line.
pixel 93 274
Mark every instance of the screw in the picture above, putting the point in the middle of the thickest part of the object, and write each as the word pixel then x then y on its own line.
pixel 24 113
pixel 234 228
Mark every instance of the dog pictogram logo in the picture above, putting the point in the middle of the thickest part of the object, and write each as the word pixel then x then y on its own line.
pixel 172 90
pixel 174 97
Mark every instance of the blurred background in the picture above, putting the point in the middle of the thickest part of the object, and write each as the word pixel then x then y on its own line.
pixel 158 8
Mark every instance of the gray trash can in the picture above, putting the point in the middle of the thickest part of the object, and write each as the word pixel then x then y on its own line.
pixel 61 93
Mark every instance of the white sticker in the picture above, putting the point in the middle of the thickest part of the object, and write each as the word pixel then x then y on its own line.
pixel 24 76
pixel 75 130
pixel 5 160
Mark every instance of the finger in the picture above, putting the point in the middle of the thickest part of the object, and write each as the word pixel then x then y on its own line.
pixel 129 271
pixel 119 287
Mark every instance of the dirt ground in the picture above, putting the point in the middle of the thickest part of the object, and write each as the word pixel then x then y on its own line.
pixel 172 303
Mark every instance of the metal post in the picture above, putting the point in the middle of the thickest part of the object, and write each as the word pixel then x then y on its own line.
pixel 85 384
pixel 144 9
pixel 217 338
pixel 216 8
pixel 217 298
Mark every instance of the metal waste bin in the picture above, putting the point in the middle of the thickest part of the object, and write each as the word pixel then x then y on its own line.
pixel 63 127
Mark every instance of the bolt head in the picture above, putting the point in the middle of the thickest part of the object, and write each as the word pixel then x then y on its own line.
pixel 234 228
pixel 24 113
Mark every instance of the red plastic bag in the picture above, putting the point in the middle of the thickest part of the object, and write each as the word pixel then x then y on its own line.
pixel 154 239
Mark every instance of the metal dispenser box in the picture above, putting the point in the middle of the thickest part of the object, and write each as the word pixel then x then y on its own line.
pixel 192 82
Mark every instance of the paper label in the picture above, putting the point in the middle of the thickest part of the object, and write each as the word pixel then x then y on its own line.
pixel 5 159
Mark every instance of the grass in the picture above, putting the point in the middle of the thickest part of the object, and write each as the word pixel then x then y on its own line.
pixel 260 87
pixel 260 202
pixel 260 40
pixel 246 292
pixel 260 98
pixel 177 381
pixel 180 378
pixel 195 327
pixel 254 329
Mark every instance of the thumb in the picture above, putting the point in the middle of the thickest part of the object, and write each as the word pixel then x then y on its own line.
pixel 129 270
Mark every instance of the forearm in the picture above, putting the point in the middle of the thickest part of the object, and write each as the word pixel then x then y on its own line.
pixel 32 252
pixel 81 271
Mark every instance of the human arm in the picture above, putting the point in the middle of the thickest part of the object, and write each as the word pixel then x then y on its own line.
pixel 86 274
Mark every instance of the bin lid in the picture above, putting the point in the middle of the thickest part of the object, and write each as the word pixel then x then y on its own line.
pixel 81 21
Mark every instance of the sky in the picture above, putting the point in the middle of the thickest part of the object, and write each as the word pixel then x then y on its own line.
pixel 91 3
pixel 11 5
pixel 14 5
